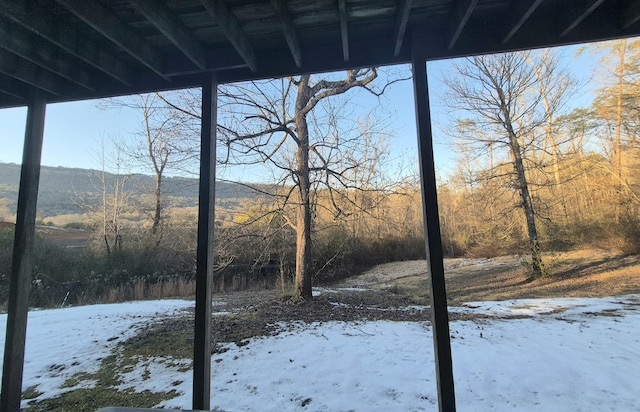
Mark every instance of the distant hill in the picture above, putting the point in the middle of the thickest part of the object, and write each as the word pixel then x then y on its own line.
pixel 61 188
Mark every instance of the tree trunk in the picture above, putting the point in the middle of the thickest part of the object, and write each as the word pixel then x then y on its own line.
pixel 303 221
pixel 620 89
pixel 158 205
pixel 537 266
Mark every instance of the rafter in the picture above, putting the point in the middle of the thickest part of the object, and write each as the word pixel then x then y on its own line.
pixel 229 25
pixel 523 10
pixel 27 72
pixel 160 16
pixel 175 64
pixel 13 88
pixel 581 14
pixel 288 29
pixel 402 18
pixel 632 15
pixel 342 6
pixel 463 13
pixel 25 12
pixel 28 46
pixel 107 24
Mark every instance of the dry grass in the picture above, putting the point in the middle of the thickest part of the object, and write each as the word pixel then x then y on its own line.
pixel 169 288
pixel 582 273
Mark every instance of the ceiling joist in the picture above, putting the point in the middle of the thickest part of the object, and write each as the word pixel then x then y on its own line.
pixel 289 30
pixel 344 33
pixel 463 12
pixel 402 18
pixel 632 15
pixel 29 47
pixel 82 49
pixel 13 88
pixel 581 14
pixel 107 24
pixel 161 17
pixel 521 13
pixel 66 37
pixel 27 72
pixel 229 25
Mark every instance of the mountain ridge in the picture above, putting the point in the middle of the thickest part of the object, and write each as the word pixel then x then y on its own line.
pixel 63 189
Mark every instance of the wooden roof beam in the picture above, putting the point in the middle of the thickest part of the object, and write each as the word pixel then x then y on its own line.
pixel 632 15
pixel 8 100
pixel 289 30
pixel 229 25
pixel 161 17
pixel 522 11
pixel 107 24
pixel 27 72
pixel 342 7
pixel 28 46
pixel 13 88
pixel 402 18
pixel 580 14
pixel 25 13
pixel 462 11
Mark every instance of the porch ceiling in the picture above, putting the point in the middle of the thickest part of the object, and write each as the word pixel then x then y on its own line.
pixel 80 49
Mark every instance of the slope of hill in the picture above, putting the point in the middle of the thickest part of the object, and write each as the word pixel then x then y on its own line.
pixel 62 189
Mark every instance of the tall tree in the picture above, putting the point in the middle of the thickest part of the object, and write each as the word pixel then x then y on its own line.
pixel 617 105
pixel 167 143
pixel 501 94
pixel 279 123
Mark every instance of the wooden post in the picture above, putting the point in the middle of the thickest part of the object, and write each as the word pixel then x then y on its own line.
pixel 439 315
pixel 22 261
pixel 204 266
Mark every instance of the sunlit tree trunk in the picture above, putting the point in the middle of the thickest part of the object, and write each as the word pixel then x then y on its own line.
pixel 303 214
pixel 622 50
pixel 523 188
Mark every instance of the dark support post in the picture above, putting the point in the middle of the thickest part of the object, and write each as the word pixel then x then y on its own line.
pixel 204 266
pixel 439 315
pixel 22 260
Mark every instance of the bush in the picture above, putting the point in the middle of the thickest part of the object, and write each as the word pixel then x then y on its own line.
pixel 625 235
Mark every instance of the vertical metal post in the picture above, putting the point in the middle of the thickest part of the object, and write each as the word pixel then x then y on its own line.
pixel 439 315
pixel 22 261
pixel 204 266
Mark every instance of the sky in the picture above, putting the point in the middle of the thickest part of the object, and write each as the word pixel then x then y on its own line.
pixel 572 354
pixel 73 130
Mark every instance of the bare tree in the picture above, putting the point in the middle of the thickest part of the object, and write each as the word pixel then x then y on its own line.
pixel 114 194
pixel 278 123
pixel 168 143
pixel 502 95
pixel 616 106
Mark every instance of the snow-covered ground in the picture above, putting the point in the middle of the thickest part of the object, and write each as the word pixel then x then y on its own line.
pixel 530 355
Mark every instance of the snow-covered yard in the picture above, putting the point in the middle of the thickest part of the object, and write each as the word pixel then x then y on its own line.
pixel 528 355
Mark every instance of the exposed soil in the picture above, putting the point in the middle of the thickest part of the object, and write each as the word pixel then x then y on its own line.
pixel 239 316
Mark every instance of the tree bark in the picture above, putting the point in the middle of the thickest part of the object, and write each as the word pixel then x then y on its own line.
pixel 158 204
pixel 303 215
pixel 620 90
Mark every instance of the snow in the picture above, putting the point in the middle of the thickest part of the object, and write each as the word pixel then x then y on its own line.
pixel 534 355
pixel 64 342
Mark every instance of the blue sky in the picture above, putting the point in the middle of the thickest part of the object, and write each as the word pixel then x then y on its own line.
pixel 73 130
